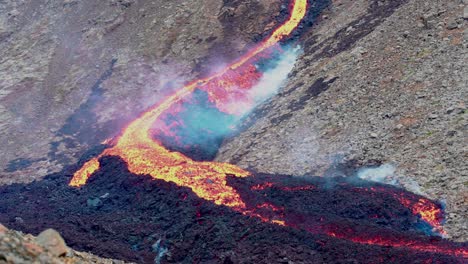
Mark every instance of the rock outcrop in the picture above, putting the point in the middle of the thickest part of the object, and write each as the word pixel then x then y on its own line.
pixel 47 247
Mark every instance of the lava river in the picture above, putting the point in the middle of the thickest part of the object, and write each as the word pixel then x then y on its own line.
pixel 144 154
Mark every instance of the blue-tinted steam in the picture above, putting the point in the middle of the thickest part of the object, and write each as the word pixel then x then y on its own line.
pixel 202 127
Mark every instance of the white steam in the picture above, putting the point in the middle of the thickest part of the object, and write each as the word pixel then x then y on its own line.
pixel 383 174
pixel 386 173
pixel 274 78
pixel 269 84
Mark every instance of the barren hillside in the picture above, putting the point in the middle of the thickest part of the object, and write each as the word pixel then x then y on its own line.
pixel 379 82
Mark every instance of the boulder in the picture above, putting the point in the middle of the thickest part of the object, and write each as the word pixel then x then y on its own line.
pixel 53 242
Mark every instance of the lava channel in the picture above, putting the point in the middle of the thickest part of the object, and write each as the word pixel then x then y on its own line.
pixel 144 155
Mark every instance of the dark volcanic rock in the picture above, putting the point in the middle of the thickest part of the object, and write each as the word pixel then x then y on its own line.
pixel 140 212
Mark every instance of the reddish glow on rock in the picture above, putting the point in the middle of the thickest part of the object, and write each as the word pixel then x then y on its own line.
pixel 429 211
pixel 263 186
pixel 268 185
pixel 399 242
pixel 268 213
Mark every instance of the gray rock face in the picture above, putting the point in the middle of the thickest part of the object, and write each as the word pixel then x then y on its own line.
pixel 391 91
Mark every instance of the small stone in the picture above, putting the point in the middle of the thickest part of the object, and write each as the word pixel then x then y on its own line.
pixel 452 25
pixel 451 133
pixel 373 135
pixel 465 13
pixel 427 20
pixel 209 181
pixel 53 242
pixel 399 126
pixel 450 110
pixel 14 13
pixel 67 2
pixel 96 202
pixel 433 116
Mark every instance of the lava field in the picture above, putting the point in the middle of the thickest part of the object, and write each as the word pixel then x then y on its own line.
pixel 122 215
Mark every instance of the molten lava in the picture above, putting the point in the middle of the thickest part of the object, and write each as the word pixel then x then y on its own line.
pixel 229 92
pixel 426 209
pixel 144 155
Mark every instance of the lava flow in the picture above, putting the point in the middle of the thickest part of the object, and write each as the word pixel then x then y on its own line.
pixel 145 155
pixel 427 210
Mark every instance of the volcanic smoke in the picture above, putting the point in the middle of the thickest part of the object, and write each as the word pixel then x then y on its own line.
pixel 233 91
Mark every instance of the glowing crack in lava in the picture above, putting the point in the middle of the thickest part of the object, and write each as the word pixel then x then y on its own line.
pixel 144 155
pixel 424 208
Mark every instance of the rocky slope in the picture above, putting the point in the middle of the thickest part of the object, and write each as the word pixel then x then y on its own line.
pixel 379 82
pixel 74 72
pixel 48 247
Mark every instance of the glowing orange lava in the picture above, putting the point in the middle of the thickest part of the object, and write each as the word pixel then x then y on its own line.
pixel 144 155
pixel 228 92
pixel 425 208
pixel 428 211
